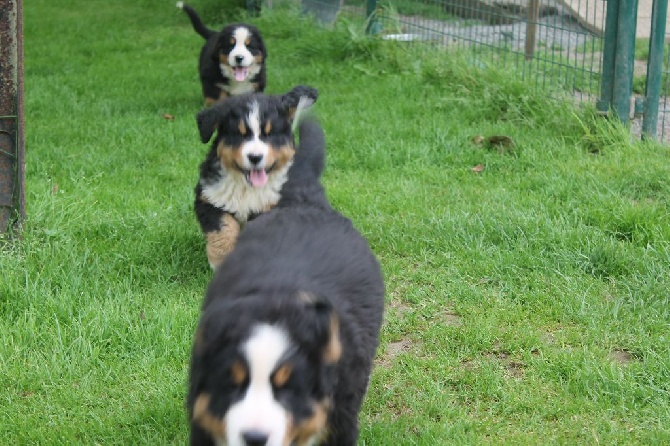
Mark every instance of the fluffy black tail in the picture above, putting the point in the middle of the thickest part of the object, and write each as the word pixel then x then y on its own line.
pixel 310 159
pixel 303 183
pixel 198 26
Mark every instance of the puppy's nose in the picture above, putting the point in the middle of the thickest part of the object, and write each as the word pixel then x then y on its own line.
pixel 254 159
pixel 239 59
pixel 254 438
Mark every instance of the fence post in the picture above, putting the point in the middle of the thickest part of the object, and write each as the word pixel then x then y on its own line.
pixel 609 54
pixel 12 162
pixel 531 27
pixel 623 63
pixel 373 26
pixel 659 12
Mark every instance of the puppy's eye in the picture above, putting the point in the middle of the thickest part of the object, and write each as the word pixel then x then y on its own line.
pixel 282 375
pixel 238 373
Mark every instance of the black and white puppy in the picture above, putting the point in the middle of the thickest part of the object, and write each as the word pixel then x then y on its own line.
pixel 247 164
pixel 290 324
pixel 232 61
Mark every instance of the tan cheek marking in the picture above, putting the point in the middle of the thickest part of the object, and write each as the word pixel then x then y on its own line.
pixel 205 419
pixel 210 101
pixel 232 40
pixel 242 127
pixel 333 350
pixel 281 376
pixel 228 155
pixel 280 156
pixel 247 42
pixel 220 243
pixel 223 58
pixel 259 59
pixel 268 127
pixel 238 373
pixel 313 426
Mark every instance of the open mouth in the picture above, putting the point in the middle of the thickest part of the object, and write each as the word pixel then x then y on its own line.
pixel 240 73
pixel 256 177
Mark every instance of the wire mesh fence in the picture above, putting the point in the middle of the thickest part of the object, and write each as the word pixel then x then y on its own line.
pixel 663 127
pixel 552 43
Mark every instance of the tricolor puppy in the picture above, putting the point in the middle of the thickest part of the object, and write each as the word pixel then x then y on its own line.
pixel 247 164
pixel 232 61
pixel 290 324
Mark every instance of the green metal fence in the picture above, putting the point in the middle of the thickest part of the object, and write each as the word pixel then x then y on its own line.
pixel 657 86
pixel 585 48
pixel 545 40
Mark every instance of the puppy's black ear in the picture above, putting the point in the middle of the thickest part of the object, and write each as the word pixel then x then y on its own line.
pixel 208 120
pixel 300 98
pixel 325 325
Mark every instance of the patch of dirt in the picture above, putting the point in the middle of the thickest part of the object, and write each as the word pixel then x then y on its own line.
pixel 392 350
pixel 623 357
pixel 452 319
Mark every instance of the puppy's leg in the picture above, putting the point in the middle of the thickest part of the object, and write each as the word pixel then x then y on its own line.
pixel 213 93
pixel 220 228
pixel 349 396
pixel 222 241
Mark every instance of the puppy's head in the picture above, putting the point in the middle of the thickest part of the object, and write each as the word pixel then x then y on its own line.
pixel 254 132
pixel 240 52
pixel 263 370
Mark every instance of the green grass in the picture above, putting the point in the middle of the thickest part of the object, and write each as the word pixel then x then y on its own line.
pixel 527 303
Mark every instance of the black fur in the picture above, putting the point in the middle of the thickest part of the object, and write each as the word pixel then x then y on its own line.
pixel 302 245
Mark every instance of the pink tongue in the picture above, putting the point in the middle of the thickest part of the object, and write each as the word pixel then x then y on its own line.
pixel 258 177
pixel 240 74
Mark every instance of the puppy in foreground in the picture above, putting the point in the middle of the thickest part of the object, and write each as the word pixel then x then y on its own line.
pixel 232 61
pixel 249 161
pixel 290 324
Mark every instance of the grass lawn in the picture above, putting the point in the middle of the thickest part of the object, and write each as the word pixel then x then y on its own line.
pixel 528 300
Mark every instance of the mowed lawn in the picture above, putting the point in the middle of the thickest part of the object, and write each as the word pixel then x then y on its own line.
pixel 527 284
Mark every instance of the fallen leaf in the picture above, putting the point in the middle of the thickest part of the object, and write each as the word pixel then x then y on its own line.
pixel 477 140
pixel 142 316
pixel 478 168
pixel 168 117
pixel 54 189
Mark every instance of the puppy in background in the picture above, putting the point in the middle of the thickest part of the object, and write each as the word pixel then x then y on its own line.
pixel 232 61
pixel 248 163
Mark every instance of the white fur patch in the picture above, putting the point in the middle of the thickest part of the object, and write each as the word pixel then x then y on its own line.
pixel 233 194
pixel 258 411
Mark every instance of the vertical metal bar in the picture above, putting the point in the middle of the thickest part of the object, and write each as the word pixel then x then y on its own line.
pixel 373 26
pixel 12 163
pixel 609 53
pixel 659 12
pixel 623 65
pixel 531 27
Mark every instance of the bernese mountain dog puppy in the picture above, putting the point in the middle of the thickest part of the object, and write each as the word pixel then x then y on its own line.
pixel 290 323
pixel 247 164
pixel 232 61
